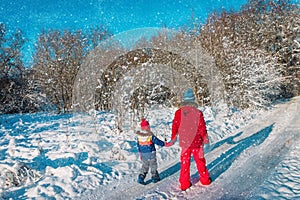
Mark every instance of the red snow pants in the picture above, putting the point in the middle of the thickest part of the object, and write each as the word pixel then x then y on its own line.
pixel 185 161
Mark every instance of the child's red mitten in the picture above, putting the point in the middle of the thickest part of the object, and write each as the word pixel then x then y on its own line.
pixel 168 144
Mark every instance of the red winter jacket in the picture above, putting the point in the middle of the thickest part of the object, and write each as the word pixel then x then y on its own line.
pixel 189 124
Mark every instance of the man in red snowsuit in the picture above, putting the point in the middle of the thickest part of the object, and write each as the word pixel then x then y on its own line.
pixel 189 124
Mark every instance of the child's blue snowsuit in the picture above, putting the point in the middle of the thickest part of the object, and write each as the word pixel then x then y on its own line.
pixel 146 147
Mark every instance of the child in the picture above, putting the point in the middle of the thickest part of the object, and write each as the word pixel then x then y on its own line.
pixel 146 140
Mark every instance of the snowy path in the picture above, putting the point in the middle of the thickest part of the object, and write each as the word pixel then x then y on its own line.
pixel 244 161
pixel 250 168
pixel 238 164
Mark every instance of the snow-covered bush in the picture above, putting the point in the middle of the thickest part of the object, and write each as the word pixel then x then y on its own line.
pixel 256 50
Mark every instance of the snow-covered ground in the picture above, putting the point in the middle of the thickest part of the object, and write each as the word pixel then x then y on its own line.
pixel 75 156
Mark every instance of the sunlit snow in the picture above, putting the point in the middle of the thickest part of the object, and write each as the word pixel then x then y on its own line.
pixel 83 156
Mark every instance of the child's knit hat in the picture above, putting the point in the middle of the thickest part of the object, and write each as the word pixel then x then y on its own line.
pixel 189 96
pixel 145 125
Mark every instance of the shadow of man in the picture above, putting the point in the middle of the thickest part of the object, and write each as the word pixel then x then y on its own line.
pixel 225 160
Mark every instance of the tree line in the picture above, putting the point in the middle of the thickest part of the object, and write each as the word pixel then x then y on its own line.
pixel 256 49
pixel 48 83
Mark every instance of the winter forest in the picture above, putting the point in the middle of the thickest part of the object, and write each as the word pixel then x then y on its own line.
pixel 255 51
pixel 246 59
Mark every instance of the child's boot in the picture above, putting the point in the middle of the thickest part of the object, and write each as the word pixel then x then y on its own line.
pixel 141 179
pixel 155 178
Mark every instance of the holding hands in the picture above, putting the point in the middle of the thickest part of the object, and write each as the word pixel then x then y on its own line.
pixel 169 143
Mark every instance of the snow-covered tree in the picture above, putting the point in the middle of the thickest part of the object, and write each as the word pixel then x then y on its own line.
pixel 56 62
pixel 278 23
pixel 58 57
pixel 154 74
pixel 253 80
pixel 264 35
pixel 12 72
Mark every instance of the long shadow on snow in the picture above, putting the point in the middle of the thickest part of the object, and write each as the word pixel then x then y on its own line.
pixel 170 171
pixel 224 161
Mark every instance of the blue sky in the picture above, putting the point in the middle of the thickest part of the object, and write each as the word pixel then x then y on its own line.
pixel 31 16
